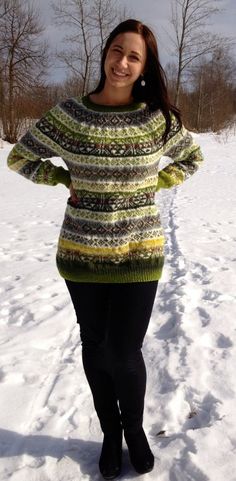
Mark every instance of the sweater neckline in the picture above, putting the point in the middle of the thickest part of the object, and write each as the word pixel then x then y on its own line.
pixel 89 104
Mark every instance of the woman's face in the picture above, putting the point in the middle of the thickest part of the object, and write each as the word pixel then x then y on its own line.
pixel 125 60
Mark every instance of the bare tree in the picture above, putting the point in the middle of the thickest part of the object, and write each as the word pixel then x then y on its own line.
pixel 4 8
pixel 89 23
pixel 103 17
pixel 171 75
pixel 213 82
pixel 189 18
pixel 23 60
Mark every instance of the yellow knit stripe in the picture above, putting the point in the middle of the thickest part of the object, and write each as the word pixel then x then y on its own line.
pixel 21 153
pixel 115 216
pixel 16 165
pixel 84 160
pixel 18 157
pixel 131 246
pixel 114 186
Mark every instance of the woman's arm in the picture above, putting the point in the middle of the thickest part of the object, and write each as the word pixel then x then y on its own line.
pixel 26 156
pixel 185 154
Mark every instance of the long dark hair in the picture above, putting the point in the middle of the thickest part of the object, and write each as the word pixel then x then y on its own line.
pixel 155 92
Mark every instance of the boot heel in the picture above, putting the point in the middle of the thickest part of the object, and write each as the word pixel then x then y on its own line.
pixel 140 453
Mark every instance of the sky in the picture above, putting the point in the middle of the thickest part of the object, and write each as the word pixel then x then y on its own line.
pixel 156 14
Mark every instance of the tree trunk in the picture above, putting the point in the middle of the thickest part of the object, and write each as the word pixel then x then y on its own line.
pixel 199 104
pixel 177 91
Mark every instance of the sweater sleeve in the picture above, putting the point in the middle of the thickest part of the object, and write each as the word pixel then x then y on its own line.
pixel 185 154
pixel 40 142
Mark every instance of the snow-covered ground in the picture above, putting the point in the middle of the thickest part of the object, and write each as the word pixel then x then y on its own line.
pixel 48 429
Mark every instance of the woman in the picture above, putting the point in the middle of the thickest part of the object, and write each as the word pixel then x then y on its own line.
pixel 110 250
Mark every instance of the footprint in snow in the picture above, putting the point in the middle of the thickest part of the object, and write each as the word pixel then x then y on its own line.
pixel 224 342
pixel 40 258
pixel 210 295
pixel 2 375
pixel 171 329
pixel 30 378
pixel 49 244
pixel 204 316
pixel 200 272
pixel 19 239
pixel 47 295
pixel 225 238
pixel 16 315
pixel 203 413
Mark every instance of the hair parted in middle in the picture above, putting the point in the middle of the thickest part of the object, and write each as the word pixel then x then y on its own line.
pixel 154 92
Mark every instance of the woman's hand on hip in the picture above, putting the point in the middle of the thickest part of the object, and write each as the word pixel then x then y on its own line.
pixel 73 195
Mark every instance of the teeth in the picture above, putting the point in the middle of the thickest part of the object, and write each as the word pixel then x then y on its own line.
pixel 119 73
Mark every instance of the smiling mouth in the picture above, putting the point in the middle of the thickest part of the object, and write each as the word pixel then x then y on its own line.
pixel 119 74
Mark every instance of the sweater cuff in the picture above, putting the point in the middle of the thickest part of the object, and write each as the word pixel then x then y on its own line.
pixel 165 181
pixel 63 176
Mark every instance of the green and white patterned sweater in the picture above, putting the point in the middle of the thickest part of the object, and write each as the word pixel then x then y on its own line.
pixel 113 233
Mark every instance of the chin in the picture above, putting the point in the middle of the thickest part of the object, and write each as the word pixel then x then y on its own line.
pixel 119 83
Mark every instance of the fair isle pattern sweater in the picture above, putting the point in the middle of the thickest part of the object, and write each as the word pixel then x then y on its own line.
pixel 113 232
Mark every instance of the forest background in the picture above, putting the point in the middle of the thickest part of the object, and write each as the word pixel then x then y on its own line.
pixel 42 63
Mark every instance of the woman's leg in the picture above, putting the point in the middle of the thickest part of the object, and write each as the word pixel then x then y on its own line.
pixel 91 303
pixel 113 321
pixel 131 308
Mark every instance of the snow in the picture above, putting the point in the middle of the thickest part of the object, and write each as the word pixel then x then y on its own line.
pixel 48 428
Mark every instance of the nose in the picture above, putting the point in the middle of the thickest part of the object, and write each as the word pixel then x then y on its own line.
pixel 123 61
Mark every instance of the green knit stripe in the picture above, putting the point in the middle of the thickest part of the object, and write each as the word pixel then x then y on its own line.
pixel 178 143
pixel 140 272
pixel 109 217
pixel 118 243
pixel 85 101
pixel 19 155
pixel 62 152
pixel 66 124
pixel 102 161
pixel 48 142
pixel 192 151
pixel 113 172
pixel 115 186
pixel 41 173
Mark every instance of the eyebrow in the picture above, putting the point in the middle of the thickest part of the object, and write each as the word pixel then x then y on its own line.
pixel 132 51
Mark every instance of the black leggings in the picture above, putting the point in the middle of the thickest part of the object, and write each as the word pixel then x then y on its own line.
pixel 113 321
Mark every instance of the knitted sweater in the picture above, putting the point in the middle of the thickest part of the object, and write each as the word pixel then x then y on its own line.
pixel 113 233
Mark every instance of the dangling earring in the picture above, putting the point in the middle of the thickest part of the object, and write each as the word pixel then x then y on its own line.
pixel 143 83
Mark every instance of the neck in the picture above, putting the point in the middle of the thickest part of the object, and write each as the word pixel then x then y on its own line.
pixel 113 96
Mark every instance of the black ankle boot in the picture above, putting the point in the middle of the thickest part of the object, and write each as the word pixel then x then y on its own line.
pixel 140 453
pixel 111 454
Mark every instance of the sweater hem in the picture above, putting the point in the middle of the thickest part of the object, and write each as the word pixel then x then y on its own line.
pixel 110 274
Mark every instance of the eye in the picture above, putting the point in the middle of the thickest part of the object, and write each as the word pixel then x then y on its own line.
pixel 133 57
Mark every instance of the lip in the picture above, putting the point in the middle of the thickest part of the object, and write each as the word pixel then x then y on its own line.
pixel 119 75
